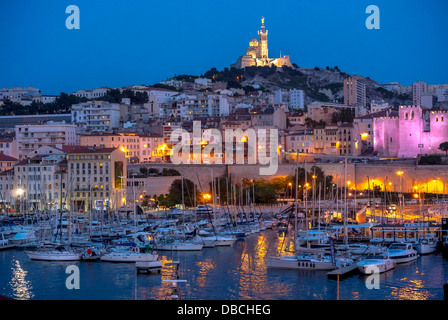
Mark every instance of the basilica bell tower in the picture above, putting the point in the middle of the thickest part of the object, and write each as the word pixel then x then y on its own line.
pixel 262 42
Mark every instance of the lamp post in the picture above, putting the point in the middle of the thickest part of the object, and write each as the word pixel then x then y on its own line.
pixel 400 174
pixel 290 187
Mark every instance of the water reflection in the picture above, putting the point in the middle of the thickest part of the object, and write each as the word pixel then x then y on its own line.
pixel 414 291
pixel 20 286
pixel 171 273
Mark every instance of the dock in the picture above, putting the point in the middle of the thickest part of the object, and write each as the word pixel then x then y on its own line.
pixel 149 267
pixel 7 247
pixel 343 272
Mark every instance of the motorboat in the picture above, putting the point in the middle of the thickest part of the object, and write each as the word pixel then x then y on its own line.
pixel 178 245
pixel 376 263
pixel 401 252
pixel 128 255
pixel 309 259
pixel 426 245
pixel 210 241
pixel 56 254
pixel 308 262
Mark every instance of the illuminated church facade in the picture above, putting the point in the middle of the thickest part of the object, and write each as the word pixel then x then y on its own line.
pixel 257 53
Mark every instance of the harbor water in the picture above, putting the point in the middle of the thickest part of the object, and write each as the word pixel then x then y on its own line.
pixel 237 272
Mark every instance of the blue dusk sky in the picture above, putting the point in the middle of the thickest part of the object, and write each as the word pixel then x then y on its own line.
pixel 146 41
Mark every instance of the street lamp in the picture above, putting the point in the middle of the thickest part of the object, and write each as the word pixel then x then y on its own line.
pixel 290 185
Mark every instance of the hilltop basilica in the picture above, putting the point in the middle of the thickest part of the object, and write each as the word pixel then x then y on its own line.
pixel 257 53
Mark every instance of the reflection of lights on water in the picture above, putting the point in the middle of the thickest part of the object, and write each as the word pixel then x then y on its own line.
pixel 20 286
pixel 412 292
pixel 204 269
pixel 169 271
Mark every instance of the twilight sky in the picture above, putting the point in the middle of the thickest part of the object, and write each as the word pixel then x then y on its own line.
pixel 145 41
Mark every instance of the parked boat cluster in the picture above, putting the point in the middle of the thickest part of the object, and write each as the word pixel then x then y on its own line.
pixel 101 237
pixel 326 246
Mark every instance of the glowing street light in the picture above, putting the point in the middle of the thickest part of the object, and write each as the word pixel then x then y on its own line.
pixel 20 191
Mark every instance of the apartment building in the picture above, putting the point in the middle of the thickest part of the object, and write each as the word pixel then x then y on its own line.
pixel 56 134
pixel 97 177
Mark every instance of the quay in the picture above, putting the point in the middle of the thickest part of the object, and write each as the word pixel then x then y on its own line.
pixel 344 272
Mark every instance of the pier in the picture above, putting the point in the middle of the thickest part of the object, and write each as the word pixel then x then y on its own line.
pixel 344 272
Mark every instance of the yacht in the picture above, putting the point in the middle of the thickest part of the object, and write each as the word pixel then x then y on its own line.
pixel 211 241
pixel 56 254
pixel 177 245
pixel 307 262
pixel 426 245
pixel 402 252
pixel 126 255
pixel 372 263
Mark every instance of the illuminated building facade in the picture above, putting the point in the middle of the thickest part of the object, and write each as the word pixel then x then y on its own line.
pixel 257 53
pixel 97 177
pixel 413 131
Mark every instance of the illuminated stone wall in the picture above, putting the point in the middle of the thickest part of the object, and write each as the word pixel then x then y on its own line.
pixel 415 131
pixel 432 179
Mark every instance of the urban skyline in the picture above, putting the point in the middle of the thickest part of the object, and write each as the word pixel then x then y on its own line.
pixel 119 45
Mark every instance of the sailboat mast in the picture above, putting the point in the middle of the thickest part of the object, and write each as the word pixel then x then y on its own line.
pixel 345 200
pixel 296 202
pixel 306 203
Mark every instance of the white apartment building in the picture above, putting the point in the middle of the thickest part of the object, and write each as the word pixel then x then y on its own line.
pixel 24 95
pixel 162 95
pixel 202 105
pixel 97 115
pixel 92 94
pixel 48 98
pixel 418 88
pixel 43 180
pixel 441 94
pixel 56 134
pixel 203 82
pixel 377 106
pixel 296 99
pixel 172 83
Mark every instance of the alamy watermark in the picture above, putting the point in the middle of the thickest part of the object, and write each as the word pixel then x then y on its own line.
pixel 248 146
pixel 72 281
pixel 72 21
pixel 373 280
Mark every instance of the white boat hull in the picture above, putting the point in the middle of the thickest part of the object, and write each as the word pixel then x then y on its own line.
pixel 129 257
pixel 297 264
pixel 403 258
pixel 180 247
pixel 53 256
pixel 426 248
pixel 216 241
pixel 381 267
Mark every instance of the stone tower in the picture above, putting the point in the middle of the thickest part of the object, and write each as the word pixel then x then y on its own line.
pixel 262 42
